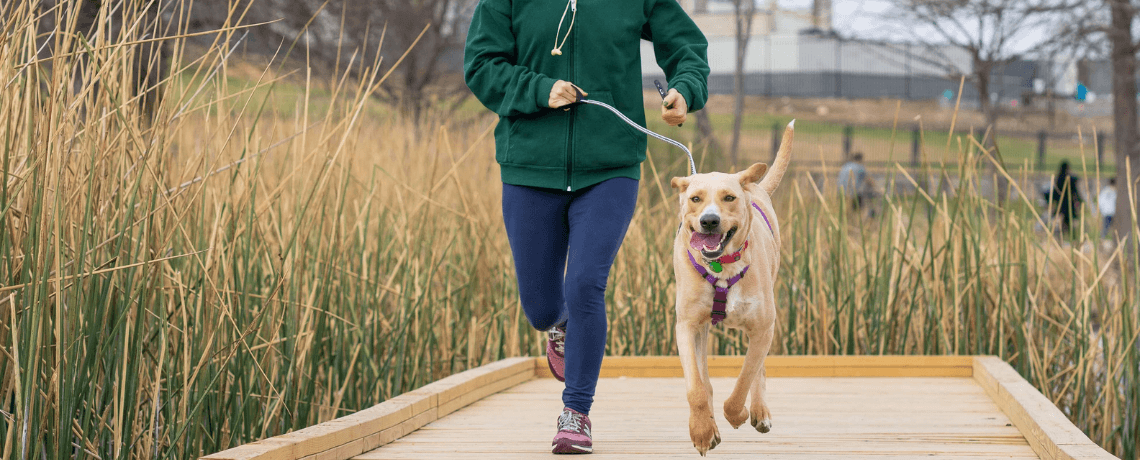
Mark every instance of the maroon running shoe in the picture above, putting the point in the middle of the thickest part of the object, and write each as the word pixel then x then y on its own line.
pixel 556 352
pixel 573 433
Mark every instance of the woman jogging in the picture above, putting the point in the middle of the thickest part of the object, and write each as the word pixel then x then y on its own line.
pixel 570 171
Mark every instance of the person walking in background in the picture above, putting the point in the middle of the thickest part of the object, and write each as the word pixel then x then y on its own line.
pixel 853 180
pixel 570 171
pixel 1106 201
pixel 1066 198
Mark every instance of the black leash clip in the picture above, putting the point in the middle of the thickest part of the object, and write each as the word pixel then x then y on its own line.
pixel 578 98
pixel 663 93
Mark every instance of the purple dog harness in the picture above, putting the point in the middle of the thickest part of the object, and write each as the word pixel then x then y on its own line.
pixel 720 297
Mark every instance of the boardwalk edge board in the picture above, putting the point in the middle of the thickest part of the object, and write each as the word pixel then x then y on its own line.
pixel 788 366
pixel 1048 431
pixel 370 428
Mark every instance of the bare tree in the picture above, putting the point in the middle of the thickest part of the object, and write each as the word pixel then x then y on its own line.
pixel 1105 29
pixel 1124 47
pixel 988 30
pixel 140 19
pixel 422 69
pixel 346 35
pixel 743 12
pixel 705 135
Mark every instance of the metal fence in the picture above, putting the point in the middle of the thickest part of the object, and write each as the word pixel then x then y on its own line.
pixel 909 145
pixel 1031 158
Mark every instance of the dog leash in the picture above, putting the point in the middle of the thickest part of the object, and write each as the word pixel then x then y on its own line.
pixel 692 164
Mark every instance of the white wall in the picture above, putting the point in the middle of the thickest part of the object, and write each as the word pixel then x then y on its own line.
pixel 778 54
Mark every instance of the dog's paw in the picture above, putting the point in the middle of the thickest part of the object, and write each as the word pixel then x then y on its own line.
pixel 735 416
pixel 762 421
pixel 704 433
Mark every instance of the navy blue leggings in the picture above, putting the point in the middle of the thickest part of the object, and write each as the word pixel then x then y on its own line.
pixel 564 244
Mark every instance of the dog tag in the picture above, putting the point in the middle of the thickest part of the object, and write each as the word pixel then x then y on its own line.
pixel 715 266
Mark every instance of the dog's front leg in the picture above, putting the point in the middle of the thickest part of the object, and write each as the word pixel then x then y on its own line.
pixel 702 347
pixel 702 427
pixel 751 378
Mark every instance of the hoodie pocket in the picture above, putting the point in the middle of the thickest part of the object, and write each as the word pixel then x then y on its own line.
pixel 539 140
pixel 602 140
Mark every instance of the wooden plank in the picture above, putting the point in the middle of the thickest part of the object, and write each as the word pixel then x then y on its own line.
pixel 1049 432
pixel 334 433
pixel 396 432
pixel 683 444
pixel 866 411
pixel 351 449
pixel 459 384
pixel 717 453
pixel 639 418
pixel 365 429
pixel 482 392
pixel 265 449
pixel 787 366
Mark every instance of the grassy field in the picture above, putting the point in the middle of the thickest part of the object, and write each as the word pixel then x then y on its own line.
pixel 885 145
pixel 238 269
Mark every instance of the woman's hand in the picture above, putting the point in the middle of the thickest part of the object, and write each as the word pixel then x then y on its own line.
pixel 674 109
pixel 562 94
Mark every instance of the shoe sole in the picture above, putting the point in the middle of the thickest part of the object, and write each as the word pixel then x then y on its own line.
pixel 571 449
pixel 557 376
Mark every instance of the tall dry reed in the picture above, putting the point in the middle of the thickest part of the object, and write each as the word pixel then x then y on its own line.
pixel 237 269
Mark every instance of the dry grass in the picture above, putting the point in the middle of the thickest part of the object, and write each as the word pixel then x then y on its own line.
pixel 161 300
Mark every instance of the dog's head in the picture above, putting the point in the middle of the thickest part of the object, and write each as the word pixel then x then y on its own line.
pixel 715 208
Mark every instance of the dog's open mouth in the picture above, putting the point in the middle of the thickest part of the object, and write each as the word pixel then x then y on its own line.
pixel 711 245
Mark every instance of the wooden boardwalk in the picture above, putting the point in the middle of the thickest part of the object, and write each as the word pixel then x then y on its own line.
pixel 823 407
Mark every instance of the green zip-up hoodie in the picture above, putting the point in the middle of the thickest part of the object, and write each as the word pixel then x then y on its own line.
pixel 508 65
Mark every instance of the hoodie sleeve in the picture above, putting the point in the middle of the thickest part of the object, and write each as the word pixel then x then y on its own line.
pixel 681 50
pixel 490 69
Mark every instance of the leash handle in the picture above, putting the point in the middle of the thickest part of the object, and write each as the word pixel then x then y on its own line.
pixel 663 93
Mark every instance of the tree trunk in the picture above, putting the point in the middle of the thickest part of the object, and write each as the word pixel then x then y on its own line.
pixel 705 134
pixel 743 35
pixel 982 71
pixel 1124 111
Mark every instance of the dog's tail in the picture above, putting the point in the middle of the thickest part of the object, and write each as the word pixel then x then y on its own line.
pixel 783 157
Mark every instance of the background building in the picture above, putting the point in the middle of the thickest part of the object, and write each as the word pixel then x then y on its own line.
pixel 796 53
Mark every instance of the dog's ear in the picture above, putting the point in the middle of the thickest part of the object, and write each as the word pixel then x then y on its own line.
pixel 753 174
pixel 680 183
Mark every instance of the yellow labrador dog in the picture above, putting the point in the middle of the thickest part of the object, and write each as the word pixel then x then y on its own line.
pixel 725 258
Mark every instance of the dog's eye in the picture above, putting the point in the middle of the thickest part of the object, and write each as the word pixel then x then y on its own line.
pixel 695 199
pixel 729 198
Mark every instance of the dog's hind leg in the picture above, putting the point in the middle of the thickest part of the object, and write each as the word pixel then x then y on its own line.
pixel 702 427
pixel 751 377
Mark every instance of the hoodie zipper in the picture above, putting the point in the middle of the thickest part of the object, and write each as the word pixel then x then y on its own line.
pixel 573 111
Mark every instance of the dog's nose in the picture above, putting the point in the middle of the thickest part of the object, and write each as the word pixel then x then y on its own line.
pixel 709 222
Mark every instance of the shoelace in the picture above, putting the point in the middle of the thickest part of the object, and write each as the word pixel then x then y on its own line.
pixel 558 337
pixel 570 421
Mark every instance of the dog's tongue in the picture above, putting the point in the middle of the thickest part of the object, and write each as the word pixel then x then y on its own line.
pixel 704 240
